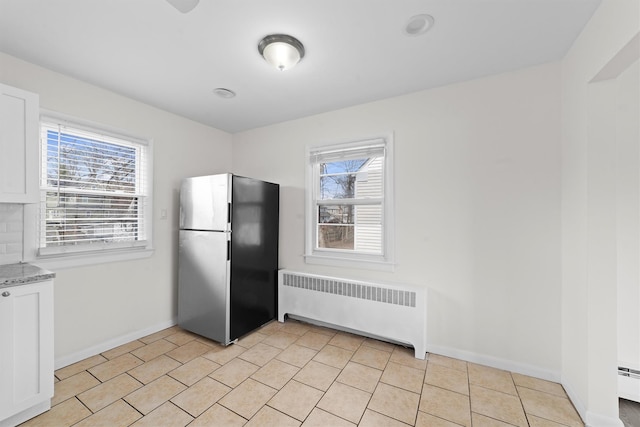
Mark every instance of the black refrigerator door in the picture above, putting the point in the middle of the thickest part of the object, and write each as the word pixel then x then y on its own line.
pixel 254 254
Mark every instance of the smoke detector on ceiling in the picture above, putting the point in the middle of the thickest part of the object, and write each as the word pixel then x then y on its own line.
pixel 418 24
pixel 224 92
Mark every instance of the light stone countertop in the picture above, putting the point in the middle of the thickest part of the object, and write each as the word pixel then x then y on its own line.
pixel 22 273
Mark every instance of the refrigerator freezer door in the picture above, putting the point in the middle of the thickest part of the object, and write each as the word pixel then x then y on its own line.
pixel 204 203
pixel 254 254
pixel 203 277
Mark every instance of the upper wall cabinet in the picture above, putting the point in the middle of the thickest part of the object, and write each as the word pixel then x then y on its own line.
pixel 19 111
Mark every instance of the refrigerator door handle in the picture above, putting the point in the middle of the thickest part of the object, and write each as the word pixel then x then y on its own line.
pixel 228 250
pixel 229 214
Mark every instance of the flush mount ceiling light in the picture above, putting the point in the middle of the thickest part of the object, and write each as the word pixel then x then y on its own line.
pixel 281 51
pixel 418 24
pixel 184 6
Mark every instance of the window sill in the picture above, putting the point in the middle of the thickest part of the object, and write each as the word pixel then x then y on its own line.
pixel 61 262
pixel 349 262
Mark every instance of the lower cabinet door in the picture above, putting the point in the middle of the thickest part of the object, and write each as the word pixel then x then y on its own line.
pixel 26 347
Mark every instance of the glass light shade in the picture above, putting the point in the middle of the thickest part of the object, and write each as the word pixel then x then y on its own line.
pixel 281 55
pixel 184 6
pixel 281 51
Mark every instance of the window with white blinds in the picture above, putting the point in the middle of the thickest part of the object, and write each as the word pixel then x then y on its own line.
pixel 94 189
pixel 349 203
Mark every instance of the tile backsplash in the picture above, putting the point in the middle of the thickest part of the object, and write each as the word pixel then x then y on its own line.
pixel 11 228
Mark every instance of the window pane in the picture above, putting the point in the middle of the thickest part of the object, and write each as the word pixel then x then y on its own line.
pixel 337 186
pixel 92 186
pixel 89 164
pixel 348 179
pixel 336 214
pixel 73 218
pixel 353 227
pixel 335 236
pixel 336 229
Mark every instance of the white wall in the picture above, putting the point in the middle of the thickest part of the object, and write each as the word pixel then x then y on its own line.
pixel 477 207
pixel 589 295
pixel 96 304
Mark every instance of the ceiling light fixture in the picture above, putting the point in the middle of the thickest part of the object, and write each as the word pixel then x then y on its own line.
pixel 184 6
pixel 418 24
pixel 281 51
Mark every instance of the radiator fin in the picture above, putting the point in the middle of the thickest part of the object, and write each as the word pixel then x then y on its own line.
pixel 351 289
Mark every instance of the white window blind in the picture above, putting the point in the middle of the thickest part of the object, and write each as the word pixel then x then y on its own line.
pixel 94 189
pixel 364 149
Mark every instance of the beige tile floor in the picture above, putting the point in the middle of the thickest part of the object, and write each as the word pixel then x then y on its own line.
pixel 292 374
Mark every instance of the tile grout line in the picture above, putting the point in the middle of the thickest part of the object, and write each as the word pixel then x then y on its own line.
pixel 277 391
pixel 368 401
pixel 466 365
pixel 501 421
pixel 524 411
pixel 324 392
pixel 547 419
pixel 133 407
pixel 440 418
pixel 82 403
pixel 292 379
pixel 181 409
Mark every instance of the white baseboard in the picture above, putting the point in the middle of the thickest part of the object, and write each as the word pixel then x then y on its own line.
pixel 496 362
pixel 598 420
pixel 577 403
pixel 593 419
pixel 27 414
pixel 69 359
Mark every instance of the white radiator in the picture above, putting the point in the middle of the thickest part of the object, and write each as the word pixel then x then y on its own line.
pixel 629 383
pixel 390 312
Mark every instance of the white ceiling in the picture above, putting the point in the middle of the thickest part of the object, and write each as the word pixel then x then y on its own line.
pixel 356 50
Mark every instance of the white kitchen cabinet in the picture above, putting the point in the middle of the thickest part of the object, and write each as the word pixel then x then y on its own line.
pixel 19 118
pixel 26 351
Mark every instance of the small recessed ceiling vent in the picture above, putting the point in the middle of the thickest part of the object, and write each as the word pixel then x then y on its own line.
pixel 418 24
pixel 224 93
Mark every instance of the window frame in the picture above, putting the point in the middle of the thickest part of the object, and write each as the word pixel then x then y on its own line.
pixel 348 258
pixel 96 253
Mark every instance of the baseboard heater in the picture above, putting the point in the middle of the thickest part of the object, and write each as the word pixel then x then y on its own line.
pixel 389 312
pixel 629 383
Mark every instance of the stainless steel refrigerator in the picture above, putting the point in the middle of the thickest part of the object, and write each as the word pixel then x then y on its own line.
pixel 228 255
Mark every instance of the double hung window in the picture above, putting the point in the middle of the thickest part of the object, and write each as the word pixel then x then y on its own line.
pixel 349 204
pixel 94 189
